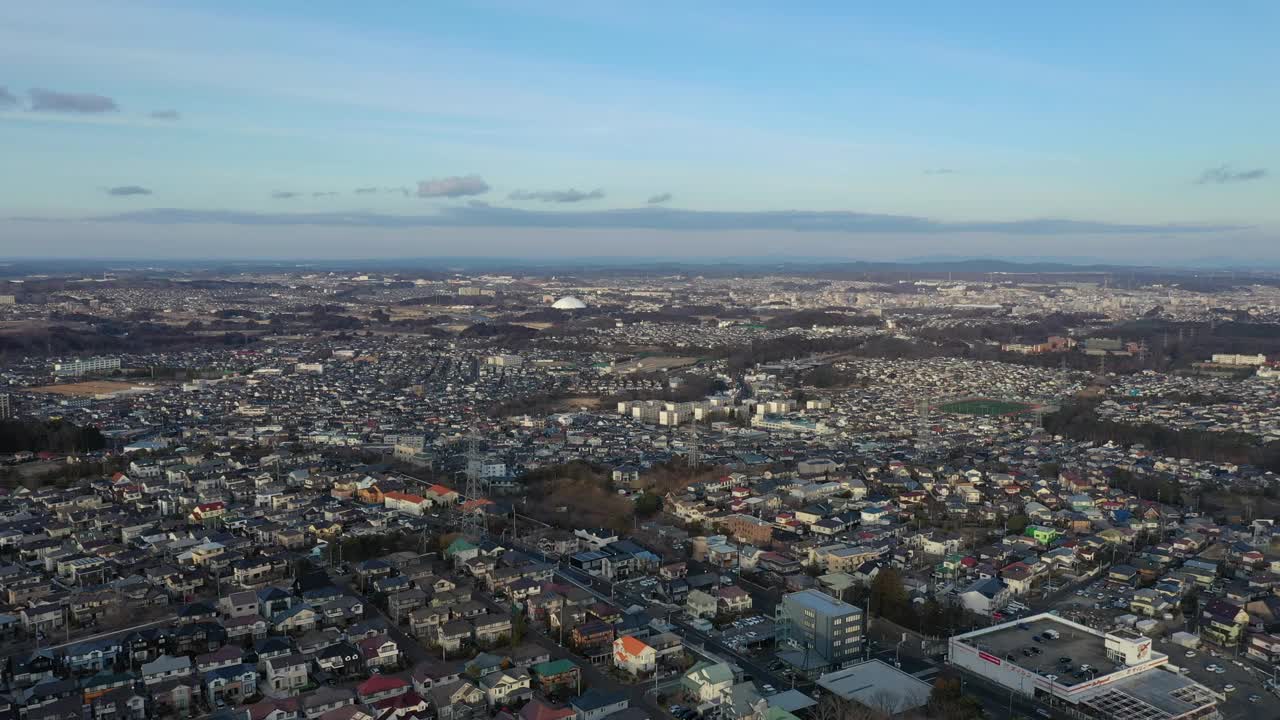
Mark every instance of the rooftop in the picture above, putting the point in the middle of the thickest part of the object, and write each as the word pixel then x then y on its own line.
pixel 1154 695
pixel 821 602
pixel 1084 648
pixel 877 685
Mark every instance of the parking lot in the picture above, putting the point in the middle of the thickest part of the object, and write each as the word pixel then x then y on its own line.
pixel 746 632
pixel 1096 605
pixel 1100 603
pixel 1245 679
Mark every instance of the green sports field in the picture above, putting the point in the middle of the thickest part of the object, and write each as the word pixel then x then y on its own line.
pixel 984 406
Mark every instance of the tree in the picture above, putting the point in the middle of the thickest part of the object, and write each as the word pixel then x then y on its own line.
pixel 648 504
pixel 881 706
pixel 948 701
pixel 446 540
pixel 889 597
pixel 519 627
pixel 1017 523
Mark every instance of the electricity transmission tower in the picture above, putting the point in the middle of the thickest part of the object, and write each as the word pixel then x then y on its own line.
pixel 694 456
pixel 474 522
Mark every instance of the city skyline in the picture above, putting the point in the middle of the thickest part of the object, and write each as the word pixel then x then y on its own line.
pixel 502 129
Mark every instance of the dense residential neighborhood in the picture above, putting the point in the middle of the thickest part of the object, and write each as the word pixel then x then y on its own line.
pixel 452 525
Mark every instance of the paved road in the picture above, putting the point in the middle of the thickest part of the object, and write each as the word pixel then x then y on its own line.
pixel 594 678
pixel 17 647
pixel 413 651
pixel 599 586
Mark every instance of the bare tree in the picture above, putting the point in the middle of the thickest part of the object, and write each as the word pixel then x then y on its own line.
pixel 832 707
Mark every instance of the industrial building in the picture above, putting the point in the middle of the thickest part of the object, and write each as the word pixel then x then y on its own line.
pixel 1114 675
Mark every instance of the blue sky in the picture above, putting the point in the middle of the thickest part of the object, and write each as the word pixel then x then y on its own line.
pixel 516 128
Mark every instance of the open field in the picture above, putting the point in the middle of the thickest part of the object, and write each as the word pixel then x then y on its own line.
pixel 984 406
pixel 88 388
pixel 653 363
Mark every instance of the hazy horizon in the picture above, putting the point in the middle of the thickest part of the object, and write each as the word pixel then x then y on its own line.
pixel 327 130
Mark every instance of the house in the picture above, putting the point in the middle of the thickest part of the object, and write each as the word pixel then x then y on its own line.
pixel 1265 648
pixel 1123 574
pixel 1019 578
pixel 625 476
pixel 1223 622
pixel 231 684
pixel 370 570
pixel 325 700
pixel 274 709
pixel 69 708
pixel 425 622
pixel 1149 602
pixel 666 645
pixel 457 700
pixel 175 695
pixel 287 674
pixel 121 703
pixel 379 651
pixel 985 596
pixel 506 687
pixel 732 600
pixel 43 618
pixel 400 604
pixel 707 682
pixel 701 604
pixel 596 704
pixel 165 667
pixel 272 600
pixel 91 656
pixel 633 655
pixel 239 604
pixel 33 668
pixel 225 656
pixel 340 659
pixel 297 619
pixel 245 628
pixel 1042 534
pixel 491 629
pixel 592 634
pixel 381 687
pixel 453 634
pixel 557 675
pixel 537 709
pixel 341 611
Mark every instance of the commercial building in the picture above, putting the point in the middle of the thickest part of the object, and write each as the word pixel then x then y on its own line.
pixel 1114 675
pixel 76 368
pixel 822 633
pixel 878 686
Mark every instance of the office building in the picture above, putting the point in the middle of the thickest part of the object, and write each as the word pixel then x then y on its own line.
pixel 822 633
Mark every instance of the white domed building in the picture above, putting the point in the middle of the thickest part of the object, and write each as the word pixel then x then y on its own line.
pixel 568 303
